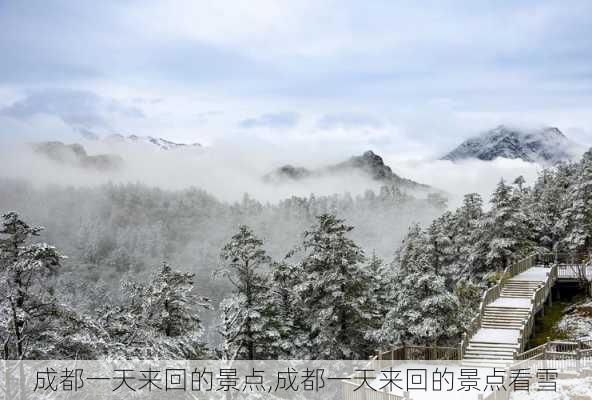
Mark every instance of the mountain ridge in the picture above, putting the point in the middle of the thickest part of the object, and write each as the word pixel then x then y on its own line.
pixel 75 155
pixel 161 143
pixel 546 145
pixel 369 163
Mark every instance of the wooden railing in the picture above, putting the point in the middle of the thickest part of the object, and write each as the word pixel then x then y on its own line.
pixel 494 293
pixel 537 353
pixel 559 350
pixel 538 299
pixel 419 353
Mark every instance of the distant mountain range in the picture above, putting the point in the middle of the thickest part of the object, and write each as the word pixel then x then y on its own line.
pixel 368 163
pixel 75 155
pixel 546 145
pixel 157 142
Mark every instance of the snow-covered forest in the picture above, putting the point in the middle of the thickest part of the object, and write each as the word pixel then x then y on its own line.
pixel 146 273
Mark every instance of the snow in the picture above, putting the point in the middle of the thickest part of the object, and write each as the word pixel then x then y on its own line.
pixel 441 395
pixel 509 336
pixel 511 302
pixel 160 143
pixel 534 274
pixel 567 389
pixel 577 325
pixel 548 145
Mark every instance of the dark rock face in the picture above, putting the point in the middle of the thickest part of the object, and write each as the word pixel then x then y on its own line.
pixel 547 145
pixel 369 163
pixel 75 155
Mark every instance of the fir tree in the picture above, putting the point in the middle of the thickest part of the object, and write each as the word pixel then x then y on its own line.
pixel 505 229
pixel 253 333
pixel 424 312
pixel 158 319
pixel 577 214
pixel 334 292
pixel 33 324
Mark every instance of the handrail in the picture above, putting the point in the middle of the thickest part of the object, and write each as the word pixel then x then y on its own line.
pixel 538 299
pixel 494 293
pixel 532 354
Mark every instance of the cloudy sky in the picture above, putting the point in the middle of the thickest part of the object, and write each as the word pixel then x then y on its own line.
pixel 406 77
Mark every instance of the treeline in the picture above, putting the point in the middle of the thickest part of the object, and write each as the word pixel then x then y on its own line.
pixel 325 298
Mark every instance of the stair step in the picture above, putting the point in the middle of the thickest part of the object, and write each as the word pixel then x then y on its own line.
pixel 489 350
pixel 502 315
pixel 512 328
pixel 486 357
pixel 480 343
pixel 486 363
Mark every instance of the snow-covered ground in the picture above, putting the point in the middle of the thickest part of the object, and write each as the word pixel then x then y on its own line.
pixel 567 389
pixel 534 274
pixel 578 323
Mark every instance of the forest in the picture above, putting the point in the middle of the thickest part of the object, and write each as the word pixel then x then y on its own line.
pixel 137 272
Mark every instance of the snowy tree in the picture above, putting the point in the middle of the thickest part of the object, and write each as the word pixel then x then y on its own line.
pixel 33 324
pixel 467 233
pixel 334 292
pixel 505 232
pixel 286 311
pixel 544 207
pixel 577 215
pixel 440 246
pixel 253 334
pixel 158 319
pixel 379 292
pixel 469 298
pixel 424 311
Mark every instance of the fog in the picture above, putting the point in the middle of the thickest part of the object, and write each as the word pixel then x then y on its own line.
pixel 469 176
pixel 223 171
pixel 229 172
pixel 183 206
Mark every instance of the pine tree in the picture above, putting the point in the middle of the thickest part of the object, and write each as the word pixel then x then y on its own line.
pixel 253 334
pixel 334 292
pixel 468 233
pixel 505 229
pixel 285 310
pixel 33 324
pixel 577 215
pixel 424 312
pixel 159 319
pixel 544 208
pixel 380 296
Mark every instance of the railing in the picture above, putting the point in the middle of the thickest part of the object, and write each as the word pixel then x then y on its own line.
pixel 419 353
pixel 540 296
pixel 537 353
pixel 559 350
pixel 581 257
pixel 494 293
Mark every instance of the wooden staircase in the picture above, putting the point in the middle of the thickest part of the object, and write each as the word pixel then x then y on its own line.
pixel 506 315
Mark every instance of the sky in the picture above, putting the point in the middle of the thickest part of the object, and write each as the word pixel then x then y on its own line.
pixel 404 78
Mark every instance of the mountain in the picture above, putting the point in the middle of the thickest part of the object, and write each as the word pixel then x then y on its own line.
pixel 76 155
pixel 368 163
pixel 547 145
pixel 160 143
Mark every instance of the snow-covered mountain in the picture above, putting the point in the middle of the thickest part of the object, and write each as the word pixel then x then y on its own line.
pixel 547 145
pixel 156 142
pixel 368 163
